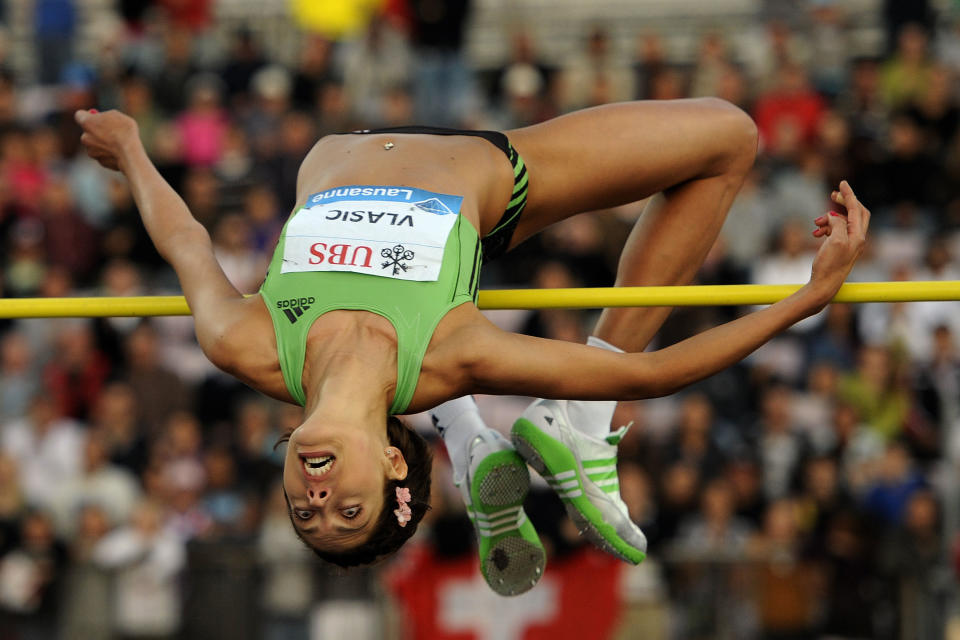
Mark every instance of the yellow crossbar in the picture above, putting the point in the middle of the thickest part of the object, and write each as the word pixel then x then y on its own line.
pixel 520 299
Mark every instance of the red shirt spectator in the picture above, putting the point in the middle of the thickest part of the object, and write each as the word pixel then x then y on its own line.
pixel 790 113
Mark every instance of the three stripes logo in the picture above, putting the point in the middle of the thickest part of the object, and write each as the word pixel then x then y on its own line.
pixel 293 308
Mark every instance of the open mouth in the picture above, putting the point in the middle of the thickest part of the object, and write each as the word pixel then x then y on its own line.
pixel 317 466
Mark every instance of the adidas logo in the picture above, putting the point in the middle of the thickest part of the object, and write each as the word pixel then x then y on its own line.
pixel 293 308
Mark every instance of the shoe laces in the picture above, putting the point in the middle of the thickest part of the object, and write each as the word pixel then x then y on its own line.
pixel 614 438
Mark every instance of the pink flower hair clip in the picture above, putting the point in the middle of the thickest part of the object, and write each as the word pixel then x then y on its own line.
pixel 403 513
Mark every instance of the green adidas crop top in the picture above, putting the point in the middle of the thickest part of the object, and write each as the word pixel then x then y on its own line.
pixel 405 254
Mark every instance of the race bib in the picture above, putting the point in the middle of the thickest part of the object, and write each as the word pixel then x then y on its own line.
pixel 393 232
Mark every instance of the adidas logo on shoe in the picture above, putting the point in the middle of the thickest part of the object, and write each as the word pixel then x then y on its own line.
pixel 293 308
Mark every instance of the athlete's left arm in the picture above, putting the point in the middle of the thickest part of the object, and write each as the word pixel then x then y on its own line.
pixel 514 364
pixel 522 365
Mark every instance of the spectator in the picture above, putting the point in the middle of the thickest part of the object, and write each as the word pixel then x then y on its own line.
pixel 789 263
pixel 146 560
pixel 907 177
pixel 523 85
pixel 68 238
pixel 743 475
pixel 651 60
pixel 55 23
pixel 232 245
pixel 715 532
pixel 194 15
pixel 852 589
pixel 938 387
pixel 781 447
pixel 829 44
pixel 711 65
pixel 125 239
pixel 245 59
pixel 835 147
pixel 907 74
pixel 8 98
pixel 858 448
pixel 287 591
pixel 87 588
pixel 876 391
pixel 159 391
pixel 597 75
pixel 693 441
pixel 47 447
pixel 112 488
pixel 914 559
pixel 203 125
pixel 786 584
pixel 30 579
pixel 314 70
pixel 749 227
pixel 236 169
pixel 297 135
pixel 225 502
pixel 896 483
pixel 136 100
pixel 170 83
pixel 901 14
pixel 936 110
pixel 374 63
pixel 822 498
pixel 270 100
pixel 444 93
pixel 863 105
pixel 835 342
pixel 114 419
pixel 19 378
pixel 678 492
pixel 789 113
pixel 263 214
pixel 256 457
pixel 811 410
pixel 77 376
pixel 12 502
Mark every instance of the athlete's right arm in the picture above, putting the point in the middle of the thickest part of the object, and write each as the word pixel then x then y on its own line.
pixel 113 139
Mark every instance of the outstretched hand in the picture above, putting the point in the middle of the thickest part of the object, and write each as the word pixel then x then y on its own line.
pixel 107 135
pixel 846 235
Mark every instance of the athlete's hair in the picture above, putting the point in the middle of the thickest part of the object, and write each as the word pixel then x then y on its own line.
pixel 388 535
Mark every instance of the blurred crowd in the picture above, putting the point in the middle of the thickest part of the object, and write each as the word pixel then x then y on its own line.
pixel 812 489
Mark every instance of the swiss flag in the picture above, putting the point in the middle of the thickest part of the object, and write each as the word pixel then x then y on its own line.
pixel 448 599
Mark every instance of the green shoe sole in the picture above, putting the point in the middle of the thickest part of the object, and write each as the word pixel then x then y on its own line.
pixel 512 558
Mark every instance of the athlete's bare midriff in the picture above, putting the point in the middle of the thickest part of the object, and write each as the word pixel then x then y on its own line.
pixel 464 166
pixel 458 165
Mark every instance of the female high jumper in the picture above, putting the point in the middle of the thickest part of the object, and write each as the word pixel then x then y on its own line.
pixel 368 311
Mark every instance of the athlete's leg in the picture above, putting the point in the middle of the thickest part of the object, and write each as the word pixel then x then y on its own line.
pixel 694 154
pixel 493 480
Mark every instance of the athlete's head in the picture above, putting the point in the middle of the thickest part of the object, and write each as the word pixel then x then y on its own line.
pixel 341 485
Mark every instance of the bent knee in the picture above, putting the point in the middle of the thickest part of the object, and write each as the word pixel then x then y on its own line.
pixel 736 133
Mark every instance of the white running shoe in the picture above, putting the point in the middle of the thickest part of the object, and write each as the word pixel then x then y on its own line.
pixel 583 472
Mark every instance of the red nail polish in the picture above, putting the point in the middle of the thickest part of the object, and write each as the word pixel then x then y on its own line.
pixel 834 213
pixel 94 111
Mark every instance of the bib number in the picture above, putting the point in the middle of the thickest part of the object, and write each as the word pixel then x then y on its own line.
pixel 392 232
